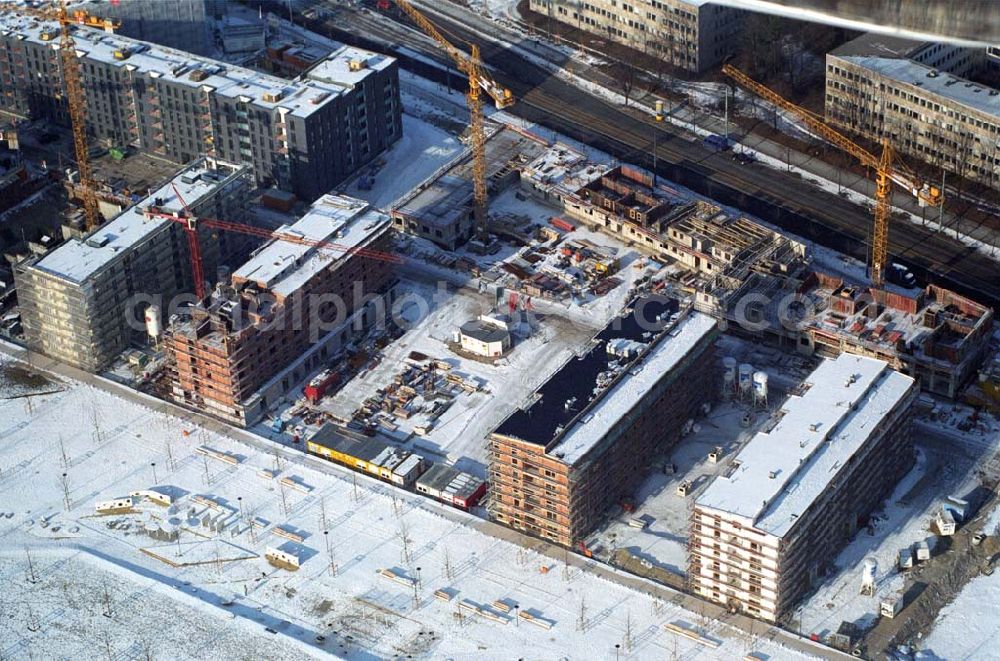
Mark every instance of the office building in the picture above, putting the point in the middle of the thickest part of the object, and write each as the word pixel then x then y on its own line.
pixel 915 95
pixel 688 34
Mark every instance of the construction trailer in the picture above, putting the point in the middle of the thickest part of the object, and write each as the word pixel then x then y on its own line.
pixel 763 533
pixel 451 486
pixel 583 445
pixel 367 455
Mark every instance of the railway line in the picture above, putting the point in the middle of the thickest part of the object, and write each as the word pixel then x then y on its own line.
pixel 780 198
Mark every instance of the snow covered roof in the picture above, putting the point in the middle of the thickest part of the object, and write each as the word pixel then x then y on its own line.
pixel 572 411
pixel 484 332
pixel 445 480
pixel 282 267
pixel 300 98
pixel 588 430
pixel 348 66
pixel 779 473
pixel 946 85
pixel 77 260
pixel 873 44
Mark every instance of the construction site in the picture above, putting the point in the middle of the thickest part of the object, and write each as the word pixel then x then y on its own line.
pixel 473 374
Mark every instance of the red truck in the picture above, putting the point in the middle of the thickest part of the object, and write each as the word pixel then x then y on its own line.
pixel 320 384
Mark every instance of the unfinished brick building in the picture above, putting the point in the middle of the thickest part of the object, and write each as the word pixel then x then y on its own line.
pixel 286 311
pixel 586 440
pixel 764 531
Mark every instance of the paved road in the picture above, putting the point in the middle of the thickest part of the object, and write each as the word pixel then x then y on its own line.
pixel 558 554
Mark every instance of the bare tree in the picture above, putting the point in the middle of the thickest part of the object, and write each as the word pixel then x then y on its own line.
pixel 627 75
pixel 405 540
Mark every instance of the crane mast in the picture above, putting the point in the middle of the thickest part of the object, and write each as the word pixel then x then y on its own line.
pixel 76 101
pixel 78 116
pixel 886 172
pixel 479 82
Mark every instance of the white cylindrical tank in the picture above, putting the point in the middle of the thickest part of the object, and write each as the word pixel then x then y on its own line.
pixel 868 575
pixel 729 367
pixel 746 377
pixel 760 385
pixel 152 317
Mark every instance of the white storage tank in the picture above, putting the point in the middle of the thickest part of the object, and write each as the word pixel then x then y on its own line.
pixel 760 387
pixel 868 576
pixel 746 378
pixel 152 317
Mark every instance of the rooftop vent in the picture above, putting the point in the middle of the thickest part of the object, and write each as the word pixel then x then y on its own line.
pixel 933 73
pixel 772 474
pixel 272 97
pixel 99 241
pixel 198 75
pixel 356 65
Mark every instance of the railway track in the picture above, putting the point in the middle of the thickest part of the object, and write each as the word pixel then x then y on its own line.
pixel 779 198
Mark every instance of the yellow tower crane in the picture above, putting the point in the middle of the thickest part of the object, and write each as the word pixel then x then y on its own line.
pixel 76 101
pixel 479 81
pixel 886 172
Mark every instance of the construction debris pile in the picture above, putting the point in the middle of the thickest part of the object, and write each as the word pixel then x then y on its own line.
pixel 418 395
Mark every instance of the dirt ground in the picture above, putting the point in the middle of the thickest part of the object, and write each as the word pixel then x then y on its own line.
pixel 935 583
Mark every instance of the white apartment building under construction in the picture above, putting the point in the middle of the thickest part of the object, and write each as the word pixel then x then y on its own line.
pixel 762 532
pixel 78 299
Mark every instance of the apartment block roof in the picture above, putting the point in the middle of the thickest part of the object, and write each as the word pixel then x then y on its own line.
pixel 608 412
pixel 77 260
pixel 572 411
pixel 945 85
pixel 282 267
pixel 348 66
pixel 779 473
pixel 299 98
pixel 873 44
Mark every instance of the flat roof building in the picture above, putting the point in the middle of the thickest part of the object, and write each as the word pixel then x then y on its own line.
pixel 367 455
pixel 180 24
pixel 764 531
pixel 440 208
pixel 915 94
pixel 76 300
pixel 305 135
pixel 286 311
pixel 693 35
pixel 584 439
pixel 451 486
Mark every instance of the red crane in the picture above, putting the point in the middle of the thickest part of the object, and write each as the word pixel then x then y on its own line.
pixel 191 222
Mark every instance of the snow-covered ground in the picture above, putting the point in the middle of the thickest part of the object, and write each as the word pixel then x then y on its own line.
pixel 459 434
pixel 969 627
pixel 422 150
pixel 558 330
pixel 667 515
pixel 82 445
pixel 61 613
